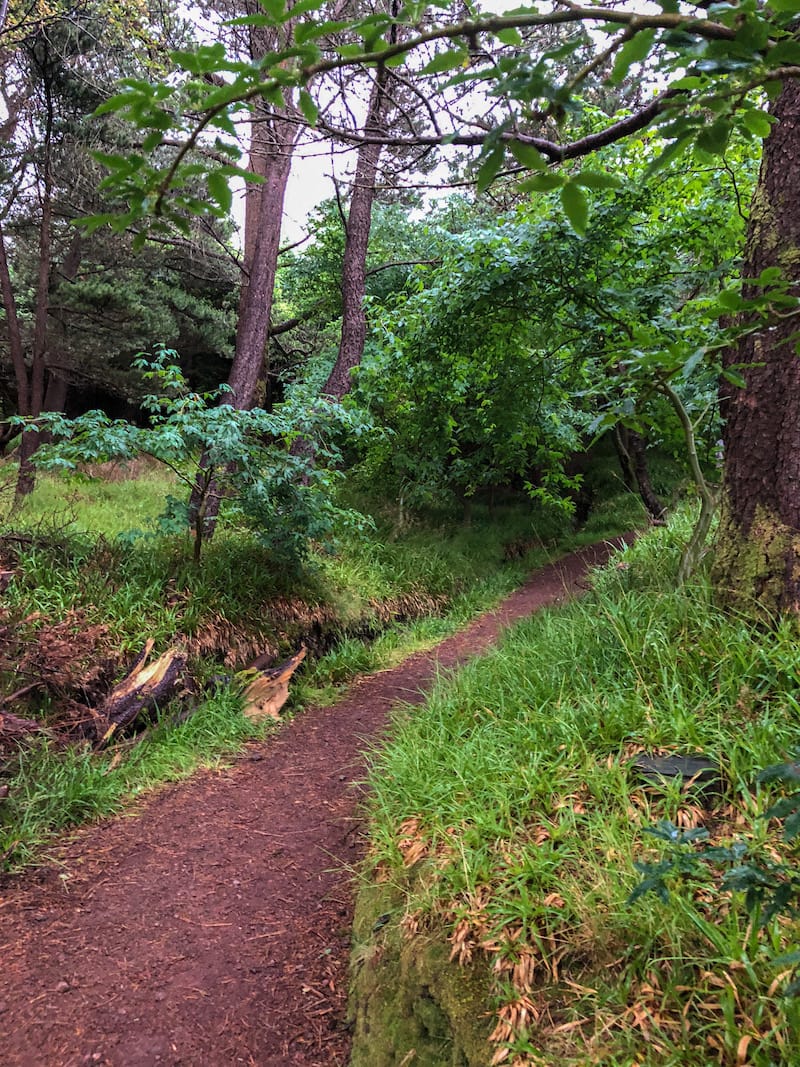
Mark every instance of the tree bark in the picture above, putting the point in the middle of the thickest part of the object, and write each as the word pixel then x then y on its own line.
pixel 30 439
pixel 354 264
pixel 757 562
pixel 15 344
pixel 632 454
pixel 272 141
pixel 272 146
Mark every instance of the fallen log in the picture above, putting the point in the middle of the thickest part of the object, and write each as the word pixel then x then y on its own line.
pixel 265 693
pixel 145 687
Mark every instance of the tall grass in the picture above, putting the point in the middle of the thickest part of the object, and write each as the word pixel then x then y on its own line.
pixel 511 798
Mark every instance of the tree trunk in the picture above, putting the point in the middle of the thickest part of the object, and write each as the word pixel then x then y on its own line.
pixel 271 147
pixel 354 264
pixel 632 454
pixel 354 261
pixel 757 562
pixel 271 157
pixel 15 344
pixel 30 439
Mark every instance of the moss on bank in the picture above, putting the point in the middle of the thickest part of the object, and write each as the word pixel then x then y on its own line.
pixel 410 1004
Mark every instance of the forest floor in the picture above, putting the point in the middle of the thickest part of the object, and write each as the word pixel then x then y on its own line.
pixel 211 925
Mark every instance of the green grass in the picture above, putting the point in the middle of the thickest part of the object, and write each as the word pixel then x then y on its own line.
pixel 109 506
pixel 53 789
pixel 510 792
pixel 78 568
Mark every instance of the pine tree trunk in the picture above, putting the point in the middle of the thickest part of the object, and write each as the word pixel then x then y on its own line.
pixel 757 564
pixel 632 453
pixel 271 147
pixel 26 477
pixel 354 265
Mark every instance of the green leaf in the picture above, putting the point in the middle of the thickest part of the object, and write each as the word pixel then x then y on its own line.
pixel 308 107
pixel 94 222
pixel 491 164
pixel 275 13
pixel 113 161
pixel 116 103
pixel 449 60
pixel 152 141
pixel 203 60
pixel 770 276
pixel 730 300
pixel 307 31
pixel 595 179
pixel 714 138
pixel 510 37
pixel 543 183
pixel 673 149
pixel 527 155
pixel 220 191
pixel 734 378
pixel 787 7
pixel 576 207
pixel 636 50
pixel 787 51
pixel 691 81
pixel 773 88
pixel 305 7
pixel 757 122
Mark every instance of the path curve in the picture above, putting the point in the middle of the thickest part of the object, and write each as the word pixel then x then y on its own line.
pixel 212 926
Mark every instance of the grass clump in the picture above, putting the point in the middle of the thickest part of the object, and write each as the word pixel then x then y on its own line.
pixel 508 810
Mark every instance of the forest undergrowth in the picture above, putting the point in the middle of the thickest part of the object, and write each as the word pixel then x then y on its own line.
pixel 90 576
pixel 623 918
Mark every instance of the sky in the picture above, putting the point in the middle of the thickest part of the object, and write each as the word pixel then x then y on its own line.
pixel 314 165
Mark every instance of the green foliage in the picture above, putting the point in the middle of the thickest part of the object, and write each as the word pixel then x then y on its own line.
pixel 109 293
pixel 710 65
pixel 492 365
pixel 286 498
pixel 770 888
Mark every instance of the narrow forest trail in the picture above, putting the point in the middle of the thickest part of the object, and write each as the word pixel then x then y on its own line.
pixel 211 926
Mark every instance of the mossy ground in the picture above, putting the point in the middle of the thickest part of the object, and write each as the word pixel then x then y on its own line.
pixel 408 1000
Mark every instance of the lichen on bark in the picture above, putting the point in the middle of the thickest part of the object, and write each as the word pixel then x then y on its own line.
pixel 757 565
pixel 754 569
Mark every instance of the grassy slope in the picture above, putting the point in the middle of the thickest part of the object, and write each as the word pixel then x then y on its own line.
pixel 90 572
pixel 507 806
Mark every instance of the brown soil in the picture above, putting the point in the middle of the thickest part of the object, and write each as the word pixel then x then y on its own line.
pixel 211 926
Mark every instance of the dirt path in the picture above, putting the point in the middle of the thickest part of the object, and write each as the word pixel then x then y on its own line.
pixel 212 926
